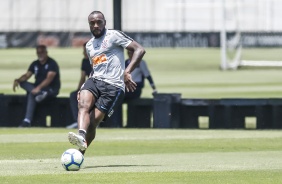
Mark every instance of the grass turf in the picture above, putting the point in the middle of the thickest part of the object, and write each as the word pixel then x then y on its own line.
pixel 144 156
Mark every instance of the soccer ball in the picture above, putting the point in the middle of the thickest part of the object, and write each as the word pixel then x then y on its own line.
pixel 72 160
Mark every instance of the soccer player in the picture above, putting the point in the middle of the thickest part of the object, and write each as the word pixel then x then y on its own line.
pixel 47 82
pixel 105 88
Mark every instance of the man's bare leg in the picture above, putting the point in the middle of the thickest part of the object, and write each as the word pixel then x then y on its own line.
pixel 86 101
pixel 96 118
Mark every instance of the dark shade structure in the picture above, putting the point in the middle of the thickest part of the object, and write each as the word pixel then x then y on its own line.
pixel 117 14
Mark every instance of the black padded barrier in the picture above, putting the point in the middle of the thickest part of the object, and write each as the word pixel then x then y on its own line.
pixel 166 110
pixel 139 113
pixel 231 113
pixel 12 110
pixel 192 109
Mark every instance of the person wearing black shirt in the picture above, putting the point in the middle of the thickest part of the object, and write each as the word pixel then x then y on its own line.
pixel 47 82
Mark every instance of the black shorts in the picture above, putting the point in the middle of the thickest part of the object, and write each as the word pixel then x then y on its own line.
pixel 107 96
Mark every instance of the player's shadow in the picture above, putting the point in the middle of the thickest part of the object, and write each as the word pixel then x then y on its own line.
pixel 98 166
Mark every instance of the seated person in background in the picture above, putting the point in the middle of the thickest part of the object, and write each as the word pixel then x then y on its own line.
pixel 86 69
pixel 47 82
pixel 138 75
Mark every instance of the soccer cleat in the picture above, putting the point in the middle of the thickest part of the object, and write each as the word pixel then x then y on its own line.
pixel 41 96
pixel 77 140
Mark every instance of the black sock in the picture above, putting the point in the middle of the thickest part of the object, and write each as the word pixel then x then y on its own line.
pixel 82 152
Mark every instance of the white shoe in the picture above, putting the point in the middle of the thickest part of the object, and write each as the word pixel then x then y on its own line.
pixel 77 140
pixel 74 125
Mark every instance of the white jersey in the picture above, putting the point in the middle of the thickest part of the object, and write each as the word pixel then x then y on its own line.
pixel 106 55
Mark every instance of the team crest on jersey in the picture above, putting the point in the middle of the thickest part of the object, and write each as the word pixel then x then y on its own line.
pixel 104 44
pixel 35 70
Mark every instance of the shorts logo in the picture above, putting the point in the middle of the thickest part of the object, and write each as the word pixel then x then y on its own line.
pixel 104 108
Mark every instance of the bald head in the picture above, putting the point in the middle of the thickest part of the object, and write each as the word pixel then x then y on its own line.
pixel 97 12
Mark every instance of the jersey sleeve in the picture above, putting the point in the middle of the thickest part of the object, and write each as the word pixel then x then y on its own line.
pixel 53 67
pixel 31 67
pixel 122 39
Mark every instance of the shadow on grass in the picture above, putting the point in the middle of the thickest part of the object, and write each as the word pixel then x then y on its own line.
pixel 98 166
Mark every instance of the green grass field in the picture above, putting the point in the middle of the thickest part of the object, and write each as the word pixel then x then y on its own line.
pixel 194 72
pixel 144 156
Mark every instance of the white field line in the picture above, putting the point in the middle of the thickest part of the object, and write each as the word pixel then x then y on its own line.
pixel 146 135
pixel 213 161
